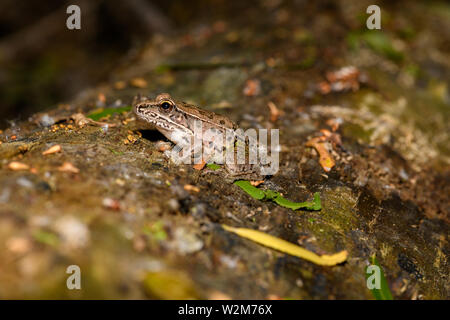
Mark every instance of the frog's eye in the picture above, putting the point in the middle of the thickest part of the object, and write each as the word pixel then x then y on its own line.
pixel 166 106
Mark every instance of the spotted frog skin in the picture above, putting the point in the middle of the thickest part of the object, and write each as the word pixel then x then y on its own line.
pixel 176 120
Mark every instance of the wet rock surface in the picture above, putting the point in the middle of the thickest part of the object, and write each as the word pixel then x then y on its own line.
pixel 122 211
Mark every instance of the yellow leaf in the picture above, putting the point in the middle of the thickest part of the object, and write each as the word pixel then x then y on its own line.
pixel 287 247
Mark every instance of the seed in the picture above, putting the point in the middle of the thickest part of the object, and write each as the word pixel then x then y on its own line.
pixel 68 167
pixel 54 149
pixel 16 166
pixel 189 187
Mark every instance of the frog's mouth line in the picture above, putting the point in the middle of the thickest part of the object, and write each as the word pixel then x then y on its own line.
pixel 160 122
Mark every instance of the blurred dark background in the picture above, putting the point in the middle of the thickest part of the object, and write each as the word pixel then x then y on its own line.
pixel 43 63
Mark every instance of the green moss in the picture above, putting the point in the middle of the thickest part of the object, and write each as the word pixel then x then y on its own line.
pixel 102 113
pixel 338 208
pixel 169 284
pixel 357 132
pixel 46 237
pixel 376 40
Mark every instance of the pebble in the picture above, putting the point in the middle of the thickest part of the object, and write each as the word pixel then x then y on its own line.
pixel 173 204
pixel 120 182
pixel 68 167
pixel 39 221
pixel 229 261
pixel 34 264
pixel 5 195
pixel 112 204
pixel 198 210
pixel 139 244
pixel 46 120
pixel 74 233
pixel 18 245
pixel 24 182
pixel 138 82
pixel 186 242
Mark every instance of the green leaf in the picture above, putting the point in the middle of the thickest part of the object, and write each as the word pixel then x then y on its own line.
pixel 213 166
pixel 384 293
pixel 277 198
pixel 101 113
pixel 117 153
pixel 156 231
pixel 381 43
pixel 314 205
pixel 317 203
pixel 251 190
pixel 46 237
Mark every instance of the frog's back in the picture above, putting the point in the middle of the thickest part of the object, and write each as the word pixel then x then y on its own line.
pixel 206 115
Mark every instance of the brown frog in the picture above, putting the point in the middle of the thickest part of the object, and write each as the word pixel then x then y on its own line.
pixel 182 123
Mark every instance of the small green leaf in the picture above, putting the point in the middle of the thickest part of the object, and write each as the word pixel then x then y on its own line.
pixel 101 113
pixel 46 237
pixel 156 231
pixel 117 153
pixel 251 190
pixel 213 166
pixel 314 205
pixel 277 198
pixel 317 203
pixel 384 293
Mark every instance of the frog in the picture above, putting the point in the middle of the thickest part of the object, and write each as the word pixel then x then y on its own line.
pixel 177 121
